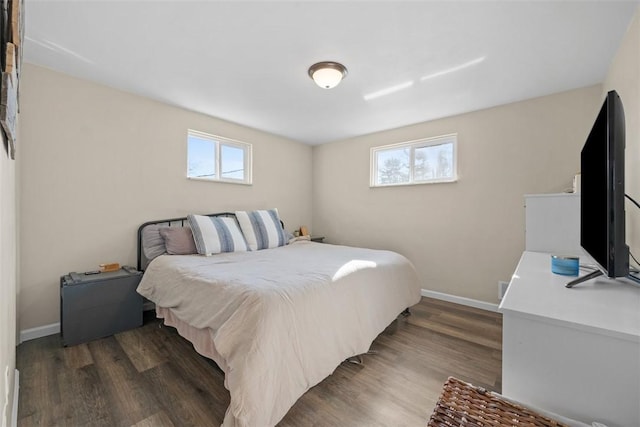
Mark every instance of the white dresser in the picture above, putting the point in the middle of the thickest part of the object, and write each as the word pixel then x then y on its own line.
pixel 575 352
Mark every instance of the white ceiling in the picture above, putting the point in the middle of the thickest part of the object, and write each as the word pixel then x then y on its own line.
pixel 247 62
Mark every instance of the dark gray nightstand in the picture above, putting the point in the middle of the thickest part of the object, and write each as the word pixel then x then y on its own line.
pixel 98 305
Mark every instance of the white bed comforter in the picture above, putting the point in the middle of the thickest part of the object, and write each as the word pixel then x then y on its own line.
pixel 283 319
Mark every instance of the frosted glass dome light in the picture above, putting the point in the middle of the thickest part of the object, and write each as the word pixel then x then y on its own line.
pixel 327 74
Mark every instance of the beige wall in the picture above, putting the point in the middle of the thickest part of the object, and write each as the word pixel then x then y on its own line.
pixel 8 282
pixel 97 162
pixel 462 237
pixel 624 77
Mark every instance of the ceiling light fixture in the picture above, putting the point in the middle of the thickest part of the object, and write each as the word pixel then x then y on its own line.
pixel 327 74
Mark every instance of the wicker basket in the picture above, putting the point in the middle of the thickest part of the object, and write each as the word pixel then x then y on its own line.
pixel 461 404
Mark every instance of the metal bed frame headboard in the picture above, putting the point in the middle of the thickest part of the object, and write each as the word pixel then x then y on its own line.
pixel 169 223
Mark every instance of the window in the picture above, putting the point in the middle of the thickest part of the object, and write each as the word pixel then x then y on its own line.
pixel 417 162
pixel 215 158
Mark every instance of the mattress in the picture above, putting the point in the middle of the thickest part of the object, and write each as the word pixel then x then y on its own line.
pixel 281 320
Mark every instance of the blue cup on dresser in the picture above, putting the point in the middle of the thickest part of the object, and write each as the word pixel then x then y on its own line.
pixel 565 265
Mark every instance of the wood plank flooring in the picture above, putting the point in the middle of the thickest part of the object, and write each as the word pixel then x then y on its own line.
pixel 150 376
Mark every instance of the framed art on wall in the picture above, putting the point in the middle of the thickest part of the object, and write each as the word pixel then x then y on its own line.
pixel 12 32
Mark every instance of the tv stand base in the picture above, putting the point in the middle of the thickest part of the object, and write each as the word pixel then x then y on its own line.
pixel 589 276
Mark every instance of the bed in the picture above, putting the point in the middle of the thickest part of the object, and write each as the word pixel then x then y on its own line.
pixel 277 321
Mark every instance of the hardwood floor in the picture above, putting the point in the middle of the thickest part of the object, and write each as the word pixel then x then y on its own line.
pixel 150 376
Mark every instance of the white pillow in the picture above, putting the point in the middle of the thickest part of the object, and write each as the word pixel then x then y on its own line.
pixel 262 229
pixel 216 234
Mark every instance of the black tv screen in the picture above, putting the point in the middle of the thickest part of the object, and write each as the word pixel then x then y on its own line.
pixel 602 213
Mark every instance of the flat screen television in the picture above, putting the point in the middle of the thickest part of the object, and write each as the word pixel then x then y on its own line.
pixel 602 212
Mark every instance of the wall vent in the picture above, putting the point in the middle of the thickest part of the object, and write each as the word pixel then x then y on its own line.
pixel 502 289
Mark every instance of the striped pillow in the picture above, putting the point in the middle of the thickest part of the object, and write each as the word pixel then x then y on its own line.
pixel 262 229
pixel 214 235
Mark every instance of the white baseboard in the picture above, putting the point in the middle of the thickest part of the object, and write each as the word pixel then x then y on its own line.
pixel 460 300
pixel 54 328
pixel 39 332
pixel 16 390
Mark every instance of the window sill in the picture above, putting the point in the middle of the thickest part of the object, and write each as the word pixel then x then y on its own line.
pixel 221 181
pixel 411 184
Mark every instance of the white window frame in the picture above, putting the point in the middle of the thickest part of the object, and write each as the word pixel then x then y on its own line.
pixel 219 142
pixel 412 146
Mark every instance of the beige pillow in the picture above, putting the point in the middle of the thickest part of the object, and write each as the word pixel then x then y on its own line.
pixel 178 240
